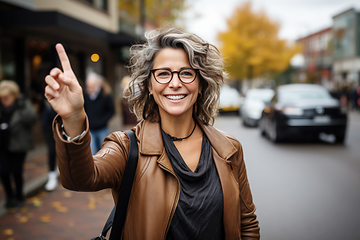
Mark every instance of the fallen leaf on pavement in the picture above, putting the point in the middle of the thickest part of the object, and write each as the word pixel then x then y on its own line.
pixel 36 202
pixel 46 217
pixel 56 204
pixel 8 232
pixel 67 194
pixel 62 209
pixel 23 219
pixel 91 205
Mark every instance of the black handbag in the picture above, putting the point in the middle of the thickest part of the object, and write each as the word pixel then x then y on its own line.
pixel 117 216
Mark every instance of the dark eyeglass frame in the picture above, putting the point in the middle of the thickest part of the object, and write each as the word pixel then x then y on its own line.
pixel 172 74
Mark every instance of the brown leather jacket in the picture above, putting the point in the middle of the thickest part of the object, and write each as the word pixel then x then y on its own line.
pixel 156 189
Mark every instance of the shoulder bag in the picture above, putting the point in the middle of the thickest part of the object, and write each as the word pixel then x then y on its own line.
pixel 117 216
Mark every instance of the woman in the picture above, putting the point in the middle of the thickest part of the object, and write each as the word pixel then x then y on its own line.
pixel 17 116
pixel 191 180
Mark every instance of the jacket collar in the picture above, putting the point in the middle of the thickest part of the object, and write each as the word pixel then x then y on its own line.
pixel 151 143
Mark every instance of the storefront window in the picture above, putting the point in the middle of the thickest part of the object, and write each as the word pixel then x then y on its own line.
pixel 7 60
pixel 100 4
pixel 344 29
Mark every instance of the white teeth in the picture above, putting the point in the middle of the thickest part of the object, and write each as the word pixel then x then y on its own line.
pixel 175 97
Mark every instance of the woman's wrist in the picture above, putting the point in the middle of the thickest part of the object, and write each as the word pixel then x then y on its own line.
pixel 74 125
pixel 70 139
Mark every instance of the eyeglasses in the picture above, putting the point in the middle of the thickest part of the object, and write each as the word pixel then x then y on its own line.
pixel 165 75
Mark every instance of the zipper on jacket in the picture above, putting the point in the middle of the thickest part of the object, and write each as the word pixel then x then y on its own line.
pixel 176 200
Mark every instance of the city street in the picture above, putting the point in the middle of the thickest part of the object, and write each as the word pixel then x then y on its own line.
pixel 303 191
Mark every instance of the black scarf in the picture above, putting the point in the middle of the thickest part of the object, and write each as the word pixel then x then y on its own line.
pixel 199 213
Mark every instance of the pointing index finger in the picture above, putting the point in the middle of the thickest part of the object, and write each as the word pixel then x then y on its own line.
pixel 64 60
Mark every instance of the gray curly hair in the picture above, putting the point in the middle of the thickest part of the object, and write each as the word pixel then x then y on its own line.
pixel 202 56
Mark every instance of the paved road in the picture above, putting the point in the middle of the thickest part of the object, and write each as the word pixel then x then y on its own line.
pixel 303 190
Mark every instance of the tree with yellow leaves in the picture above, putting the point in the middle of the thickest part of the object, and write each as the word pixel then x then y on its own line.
pixel 251 47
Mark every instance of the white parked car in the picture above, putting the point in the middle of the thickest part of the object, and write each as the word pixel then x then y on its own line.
pixel 230 100
pixel 254 103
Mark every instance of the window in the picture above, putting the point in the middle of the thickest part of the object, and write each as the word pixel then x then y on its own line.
pixel 100 4
pixel 7 59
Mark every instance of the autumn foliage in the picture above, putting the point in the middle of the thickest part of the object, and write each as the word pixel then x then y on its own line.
pixel 251 46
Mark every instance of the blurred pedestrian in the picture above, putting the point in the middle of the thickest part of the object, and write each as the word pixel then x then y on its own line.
pixel 354 98
pixel 358 94
pixel 48 115
pixel 191 180
pixel 99 107
pixel 17 116
pixel 345 97
pixel 129 118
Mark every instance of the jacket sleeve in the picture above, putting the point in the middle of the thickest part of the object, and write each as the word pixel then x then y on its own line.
pixel 80 171
pixel 249 224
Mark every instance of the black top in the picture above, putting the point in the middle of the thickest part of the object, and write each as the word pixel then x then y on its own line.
pixel 99 110
pixel 199 213
pixel 5 118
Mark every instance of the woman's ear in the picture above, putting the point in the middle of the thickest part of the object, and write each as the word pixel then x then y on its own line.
pixel 150 88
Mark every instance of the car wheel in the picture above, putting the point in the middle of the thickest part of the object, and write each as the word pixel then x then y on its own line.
pixel 262 128
pixel 274 134
pixel 244 123
pixel 340 138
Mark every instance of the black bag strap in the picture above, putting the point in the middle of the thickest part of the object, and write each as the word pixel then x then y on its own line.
pixel 118 214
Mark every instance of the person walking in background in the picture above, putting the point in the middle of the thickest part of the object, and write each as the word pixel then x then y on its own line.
pixel 99 107
pixel 48 115
pixel 355 94
pixel 128 117
pixel 17 116
pixel 191 180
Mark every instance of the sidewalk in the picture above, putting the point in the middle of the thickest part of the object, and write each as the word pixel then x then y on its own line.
pixel 60 214
pixel 35 174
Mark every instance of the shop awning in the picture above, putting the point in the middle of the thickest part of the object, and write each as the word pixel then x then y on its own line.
pixel 58 23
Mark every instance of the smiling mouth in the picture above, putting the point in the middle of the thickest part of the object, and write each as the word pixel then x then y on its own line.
pixel 175 97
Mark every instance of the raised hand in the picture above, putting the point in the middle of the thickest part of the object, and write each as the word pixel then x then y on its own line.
pixel 64 92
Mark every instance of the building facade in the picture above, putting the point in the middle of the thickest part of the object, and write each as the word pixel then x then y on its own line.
pixel 346 49
pixel 30 29
pixel 317 59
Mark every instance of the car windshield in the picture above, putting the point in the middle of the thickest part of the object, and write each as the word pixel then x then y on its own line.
pixel 264 96
pixel 298 95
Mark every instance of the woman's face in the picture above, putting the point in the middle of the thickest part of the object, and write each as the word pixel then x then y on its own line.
pixel 174 98
pixel 7 100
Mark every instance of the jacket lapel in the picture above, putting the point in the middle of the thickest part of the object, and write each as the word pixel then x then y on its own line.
pixel 151 143
pixel 218 141
pixel 149 134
